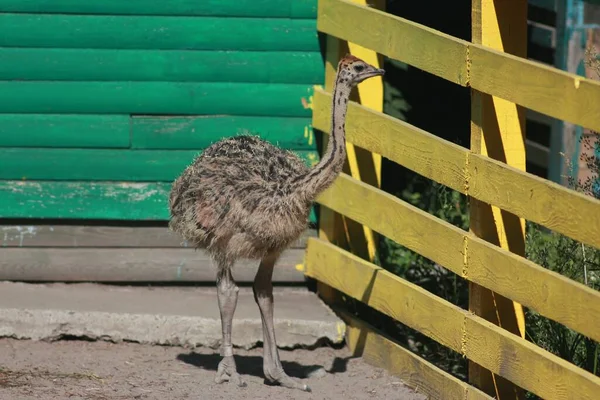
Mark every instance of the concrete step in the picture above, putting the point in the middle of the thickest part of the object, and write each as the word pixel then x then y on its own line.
pixel 159 315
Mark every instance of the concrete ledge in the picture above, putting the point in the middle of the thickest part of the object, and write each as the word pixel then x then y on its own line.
pixel 168 316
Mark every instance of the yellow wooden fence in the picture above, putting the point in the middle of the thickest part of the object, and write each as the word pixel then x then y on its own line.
pixel 501 85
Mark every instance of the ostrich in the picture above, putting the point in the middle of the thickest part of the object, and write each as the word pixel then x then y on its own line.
pixel 243 197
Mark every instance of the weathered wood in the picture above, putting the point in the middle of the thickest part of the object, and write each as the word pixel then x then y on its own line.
pixel 213 8
pixel 103 165
pixel 179 98
pixel 160 65
pixel 152 32
pixel 468 256
pixel 47 130
pixel 379 31
pixel 533 198
pixel 494 348
pixel 149 132
pixel 99 236
pixel 497 132
pixel 405 144
pixel 381 351
pixel 528 83
pixel 130 265
pixel 87 200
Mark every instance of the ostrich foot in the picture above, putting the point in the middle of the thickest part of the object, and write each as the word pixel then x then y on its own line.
pixel 281 378
pixel 227 371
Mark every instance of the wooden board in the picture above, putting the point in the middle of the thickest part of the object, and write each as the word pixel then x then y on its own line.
pixel 103 165
pixel 154 32
pixel 87 200
pixel 398 141
pixel 215 8
pixel 381 351
pixel 24 130
pixel 199 132
pixel 131 265
pixel 395 37
pixel 100 236
pixel 528 83
pixel 160 65
pixel 468 256
pixel 180 98
pixel 502 352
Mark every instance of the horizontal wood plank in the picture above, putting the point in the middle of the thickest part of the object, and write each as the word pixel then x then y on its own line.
pixel 130 201
pixel 405 144
pixel 100 236
pixel 549 293
pixel 179 98
pixel 200 132
pixel 381 351
pixel 531 84
pixel 63 130
pixel 395 37
pixel 103 165
pixel 131 265
pixel 155 32
pixel 536 199
pixel 85 200
pixel 483 178
pixel 492 347
pixel 160 65
pixel 213 8
pixel 536 86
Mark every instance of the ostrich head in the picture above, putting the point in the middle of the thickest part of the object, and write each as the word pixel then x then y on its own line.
pixel 353 70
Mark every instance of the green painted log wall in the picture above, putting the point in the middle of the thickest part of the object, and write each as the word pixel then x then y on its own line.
pixel 103 104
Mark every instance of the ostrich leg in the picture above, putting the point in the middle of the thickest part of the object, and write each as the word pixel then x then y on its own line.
pixel 263 294
pixel 227 292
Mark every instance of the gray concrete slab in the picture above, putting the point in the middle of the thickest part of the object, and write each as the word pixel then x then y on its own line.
pixel 186 316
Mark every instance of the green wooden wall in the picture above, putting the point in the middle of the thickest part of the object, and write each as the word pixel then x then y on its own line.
pixel 103 104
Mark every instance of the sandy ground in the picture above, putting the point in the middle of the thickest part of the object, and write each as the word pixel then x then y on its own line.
pixel 77 370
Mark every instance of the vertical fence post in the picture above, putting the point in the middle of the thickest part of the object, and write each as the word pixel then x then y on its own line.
pixel 360 164
pixel 498 131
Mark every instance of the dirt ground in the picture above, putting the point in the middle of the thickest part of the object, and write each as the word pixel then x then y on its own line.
pixel 77 370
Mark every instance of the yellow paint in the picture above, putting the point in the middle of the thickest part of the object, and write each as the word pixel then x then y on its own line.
pixel 341 331
pixel 533 85
pixel 300 267
pixel 494 348
pixel 380 351
pixel 513 276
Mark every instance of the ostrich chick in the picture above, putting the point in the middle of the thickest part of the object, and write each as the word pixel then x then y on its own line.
pixel 245 198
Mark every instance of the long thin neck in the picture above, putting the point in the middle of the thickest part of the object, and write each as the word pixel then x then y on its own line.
pixel 324 173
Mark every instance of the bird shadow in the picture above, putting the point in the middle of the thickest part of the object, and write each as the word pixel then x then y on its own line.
pixel 253 365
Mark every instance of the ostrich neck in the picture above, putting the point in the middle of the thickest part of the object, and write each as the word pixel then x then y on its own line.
pixel 324 173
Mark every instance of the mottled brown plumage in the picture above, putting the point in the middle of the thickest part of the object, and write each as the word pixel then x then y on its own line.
pixel 246 198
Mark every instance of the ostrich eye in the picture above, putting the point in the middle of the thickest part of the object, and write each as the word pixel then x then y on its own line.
pixel 359 68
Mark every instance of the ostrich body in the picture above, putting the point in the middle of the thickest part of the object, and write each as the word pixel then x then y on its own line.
pixel 246 198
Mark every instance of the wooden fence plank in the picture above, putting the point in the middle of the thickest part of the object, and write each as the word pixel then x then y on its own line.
pixel 496 349
pixel 160 65
pixel 528 83
pixel 379 350
pixel 405 144
pixel 131 265
pixel 196 132
pixel 483 178
pixel 64 130
pixel 512 276
pixel 380 31
pixel 534 85
pixel 100 236
pixel 152 32
pixel 103 165
pixel 213 8
pixel 180 98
